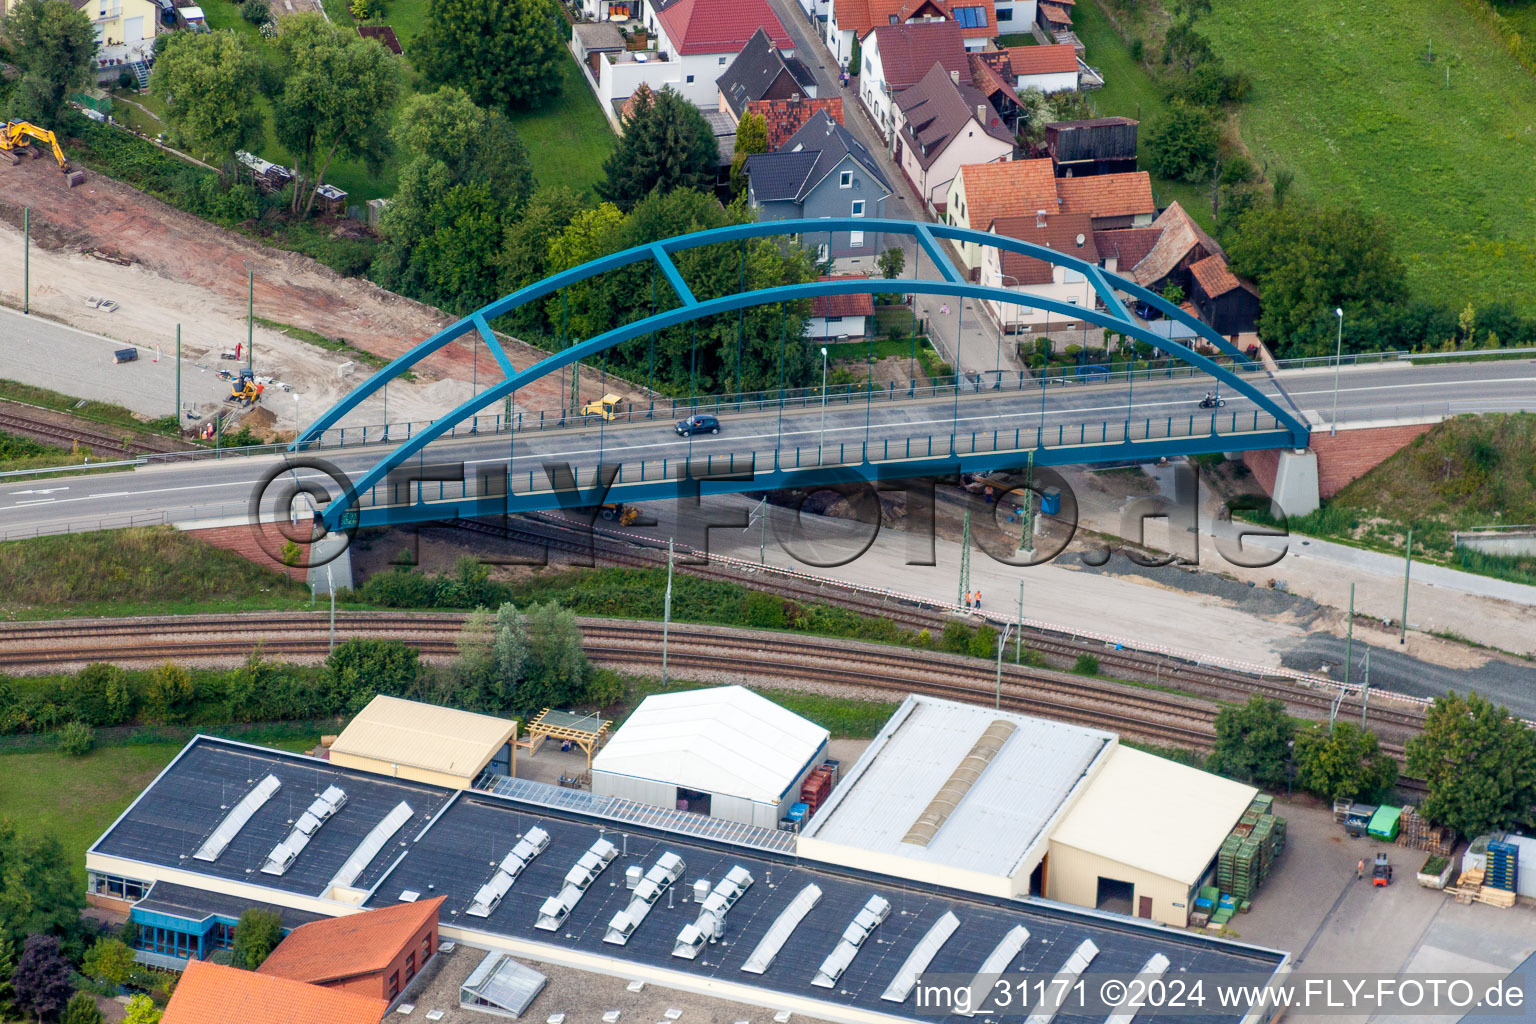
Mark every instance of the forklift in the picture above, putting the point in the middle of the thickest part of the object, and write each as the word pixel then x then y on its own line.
pixel 1381 872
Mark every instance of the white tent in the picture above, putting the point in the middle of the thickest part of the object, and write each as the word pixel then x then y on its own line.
pixel 725 751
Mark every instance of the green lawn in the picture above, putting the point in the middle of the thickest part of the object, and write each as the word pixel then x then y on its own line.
pixel 75 799
pixel 225 14
pixel 1130 92
pixel 570 138
pixel 1018 39
pixel 1346 100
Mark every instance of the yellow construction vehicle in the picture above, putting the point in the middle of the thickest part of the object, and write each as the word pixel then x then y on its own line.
pixel 16 141
pixel 603 407
pixel 244 390
pixel 618 512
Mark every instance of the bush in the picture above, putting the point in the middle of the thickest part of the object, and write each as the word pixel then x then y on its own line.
pixel 1138 50
pixel 291 553
pixel 257 933
pixel 1181 145
pixel 81 1010
pixel 125 80
pixel 1086 665
pixel 605 689
pixel 984 642
pixel 256 12
pixel 957 638
pixel 170 694
pixel 76 739
pixel 110 961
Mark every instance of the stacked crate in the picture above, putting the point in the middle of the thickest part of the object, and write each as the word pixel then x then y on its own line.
pixel 1503 865
pixel 1418 834
pixel 816 788
pixel 1249 853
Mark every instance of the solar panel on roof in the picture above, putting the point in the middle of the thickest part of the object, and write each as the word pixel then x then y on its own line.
pixel 783 926
pixel 1062 983
pixel 1126 1012
pixel 997 961
pixel 235 820
pixel 372 843
pixel 921 956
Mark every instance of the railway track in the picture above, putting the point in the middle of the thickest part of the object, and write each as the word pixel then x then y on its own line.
pixel 66 437
pixel 771 659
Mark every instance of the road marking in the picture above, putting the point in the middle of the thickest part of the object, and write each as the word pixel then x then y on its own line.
pixel 35 501
pixel 42 490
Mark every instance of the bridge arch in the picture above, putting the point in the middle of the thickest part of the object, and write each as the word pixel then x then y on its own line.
pixel 1105 284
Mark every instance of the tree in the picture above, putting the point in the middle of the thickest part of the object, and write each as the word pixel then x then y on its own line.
pixel 1308 260
pixel 53 45
pixel 207 81
pixel 99 695
pixel 81 1010
pixel 109 960
pixel 37 893
pixel 142 1010
pixel 359 669
pixel 474 670
pixel 1346 763
pixel 510 649
pixel 76 739
pixel 504 53
pixel 332 97
pixel 256 11
pixel 1253 742
pixel 1479 765
pixel 751 137
pixel 257 933
pixel 170 694
pixel 41 979
pixel 891 262
pixel 468 178
pixel 7 969
pixel 666 144
pixel 1181 144
pixel 557 670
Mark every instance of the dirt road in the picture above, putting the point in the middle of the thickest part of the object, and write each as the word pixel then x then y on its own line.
pixel 185 270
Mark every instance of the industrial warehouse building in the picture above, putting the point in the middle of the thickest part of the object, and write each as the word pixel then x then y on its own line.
pixel 538 877
pixel 407 739
pixel 1008 805
pixel 725 752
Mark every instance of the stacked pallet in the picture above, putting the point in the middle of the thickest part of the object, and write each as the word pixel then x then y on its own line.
pixel 1249 853
pixel 1418 834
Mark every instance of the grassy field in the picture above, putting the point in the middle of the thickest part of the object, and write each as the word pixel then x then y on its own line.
pixel 1347 100
pixel 75 799
pixel 145 570
pixel 1130 92
pixel 570 138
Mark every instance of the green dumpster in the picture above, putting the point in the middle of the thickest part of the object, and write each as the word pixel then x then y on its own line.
pixel 1384 823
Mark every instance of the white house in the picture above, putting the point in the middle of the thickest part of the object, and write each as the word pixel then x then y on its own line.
pixel 851 20
pixel 698 40
pixel 943 125
pixel 982 193
pixel 896 57
pixel 1050 68
pixel 1070 233
pixel 835 317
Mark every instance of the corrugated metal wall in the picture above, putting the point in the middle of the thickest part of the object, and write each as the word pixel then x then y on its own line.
pixel 627 787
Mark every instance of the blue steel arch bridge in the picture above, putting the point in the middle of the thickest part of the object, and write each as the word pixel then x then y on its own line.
pixel 775 444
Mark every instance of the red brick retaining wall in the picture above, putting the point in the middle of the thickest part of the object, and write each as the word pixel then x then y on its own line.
pixel 1341 458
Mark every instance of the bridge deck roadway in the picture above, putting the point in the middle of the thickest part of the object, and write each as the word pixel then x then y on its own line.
pixel 1074 416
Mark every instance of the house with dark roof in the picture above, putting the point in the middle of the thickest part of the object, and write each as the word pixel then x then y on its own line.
pixel 849 21
pixel 1070 233
pixel 944 124
pixel 209 993
pixel 374 954
pixel 836 317
pixel 822 171
pixel 785 117
pixel 1224 300
pixel 896 57
pixel 761 72
pixel 694 43
pixel 1122 249
pixel 1181 243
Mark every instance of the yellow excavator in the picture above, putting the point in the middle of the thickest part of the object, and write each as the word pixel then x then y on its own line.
pixel 16 141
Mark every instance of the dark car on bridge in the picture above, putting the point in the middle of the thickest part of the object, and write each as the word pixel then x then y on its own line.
pixel 698 424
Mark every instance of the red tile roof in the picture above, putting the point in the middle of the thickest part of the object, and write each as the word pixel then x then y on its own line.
pixel 1216 278
pixel 1061 232
pixel 1181 242
pixel 1108 195
pixel 862 304
pixel 1052 59
pixel 210 993
pixel 1056 13
pixel 720 26
pixel 785 117
pixel 1009 189
pixel 908 52
pixel 990 74
pixel 859 16
pixel 344 947
pixel 628 109
pixel 1127 246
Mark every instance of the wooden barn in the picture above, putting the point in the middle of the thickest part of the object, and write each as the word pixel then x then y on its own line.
pixel 1103 145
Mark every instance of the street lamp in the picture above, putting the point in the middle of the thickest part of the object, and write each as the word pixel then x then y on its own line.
pixel 998 369
pixel 821 438
pixel 1338 357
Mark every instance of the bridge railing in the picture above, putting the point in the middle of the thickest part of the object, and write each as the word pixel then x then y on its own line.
pixel 833 454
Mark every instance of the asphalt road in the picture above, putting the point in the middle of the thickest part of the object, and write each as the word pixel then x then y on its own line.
pixel 190 491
